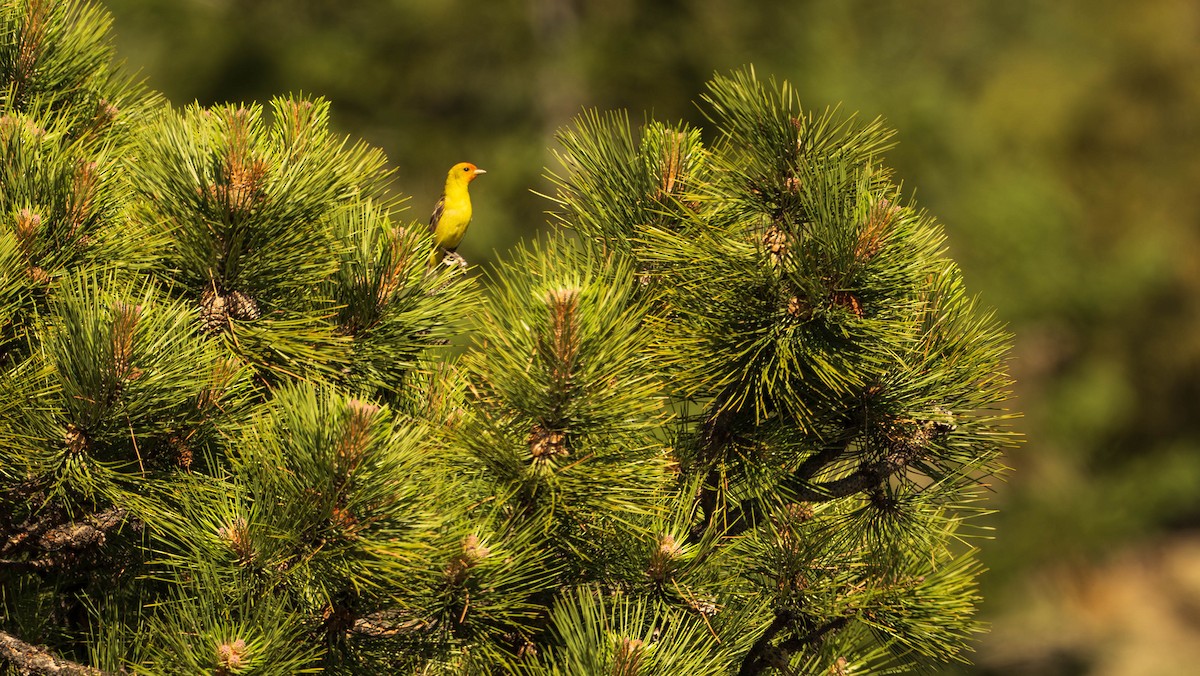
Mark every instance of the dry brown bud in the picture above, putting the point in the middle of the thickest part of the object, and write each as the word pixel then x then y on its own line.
pixel 26 229
pixel 672 163
pixel 849 301
pixel 75 439
pixel 392 276
pixel 37 274
pixel 473 551
pixel 83 194
pixel 796 307
pixel 124 326
pixel 627 658
pixel 224 372
pixel 356 435
pixel 342 519
pixel 564 332
pixel 12 125
pixel 106 113
pixel 663 559
pixel 879 220
pixel 545 443
pixel 182 450
pixel 237 537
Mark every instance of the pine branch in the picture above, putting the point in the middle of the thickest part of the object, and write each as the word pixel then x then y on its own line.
pixel 28 659
pixel 60 540
pixel 797 643
pixel 715 436
pixel 820 460
pixel 750 511
pixel 389 624
pixel 80 535
pixel 763 655
pixel 867 476
pixel 759 657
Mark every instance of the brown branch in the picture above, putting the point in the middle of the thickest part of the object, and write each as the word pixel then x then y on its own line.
pixel 706 504
pixel 388 623
pixel 797 643
pixel 28 659
pixel 763 655
pixel 31 565
pixel 716 435
pixel 821 459
pixel 49 545
pixel 867 476
pixel 750 511
pixel 81 535
pixel 759 657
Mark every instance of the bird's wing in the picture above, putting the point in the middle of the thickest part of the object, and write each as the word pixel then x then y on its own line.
pixel 437 213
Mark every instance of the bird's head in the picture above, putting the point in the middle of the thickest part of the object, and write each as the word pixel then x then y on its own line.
pixel 465 172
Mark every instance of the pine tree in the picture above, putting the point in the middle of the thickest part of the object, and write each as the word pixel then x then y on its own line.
pixel 736 415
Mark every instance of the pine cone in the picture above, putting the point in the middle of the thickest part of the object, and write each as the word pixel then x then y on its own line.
pixel 242 306
pixel 213 311
pixel 775 240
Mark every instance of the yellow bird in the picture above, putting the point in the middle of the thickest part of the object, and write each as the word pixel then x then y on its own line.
pixel 452 213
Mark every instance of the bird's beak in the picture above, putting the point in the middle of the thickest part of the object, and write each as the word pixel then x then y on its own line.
pixel 480 171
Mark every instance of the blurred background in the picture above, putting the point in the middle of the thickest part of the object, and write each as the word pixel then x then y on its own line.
pixel 1059 143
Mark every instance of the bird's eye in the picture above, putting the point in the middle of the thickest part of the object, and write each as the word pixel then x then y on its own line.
pixel 466 168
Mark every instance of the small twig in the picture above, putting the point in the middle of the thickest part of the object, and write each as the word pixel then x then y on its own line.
pixel 866 477
pixel 750 511
pixel 716 435
pixel 463 617
pixel 821 459
pixel 583 459
pixel 706 504
pixel 136 452
pixel 692 601
pixel 33 565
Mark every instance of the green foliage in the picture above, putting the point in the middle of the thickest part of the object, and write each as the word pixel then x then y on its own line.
pixel 565 408
pixel 245 215
pixel 626 636
pixel 245 204
pixel 386 303
pixel 616 184
pixel 818 339
pixel 202 630
pixel 733 418
pixel 54 54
